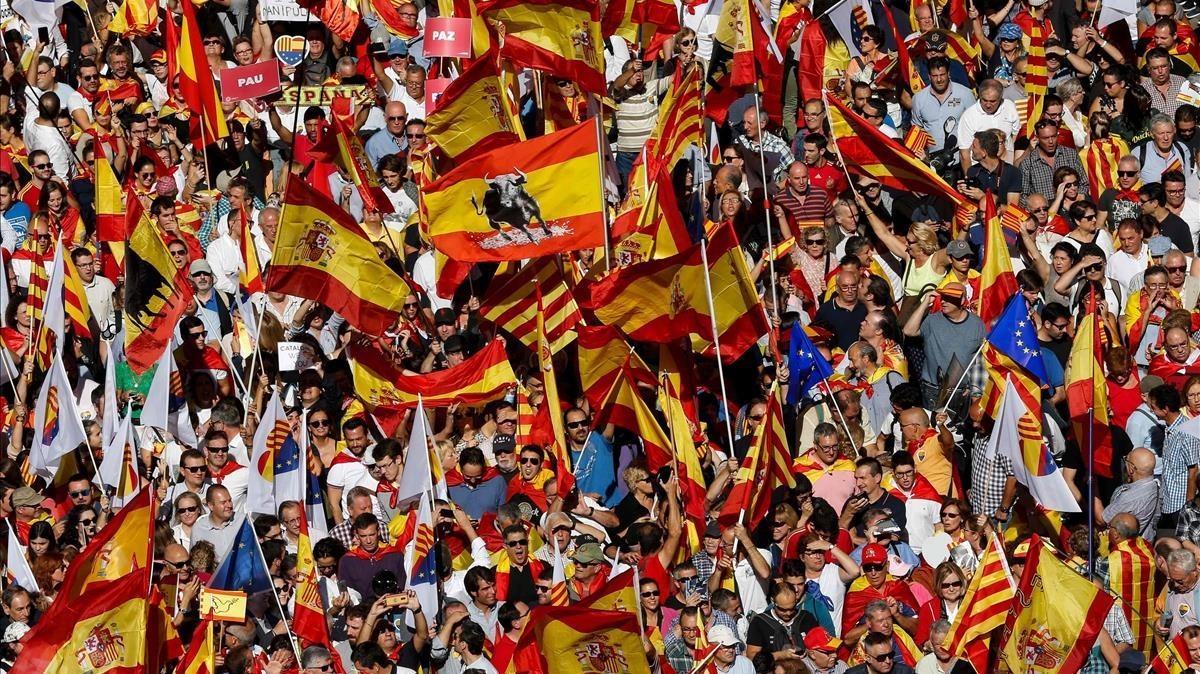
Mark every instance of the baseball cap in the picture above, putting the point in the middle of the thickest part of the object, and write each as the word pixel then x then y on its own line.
pixel 959 249
pixel 453 344
pixel 443 316
pixel 926 213
pixel 503 443
pixel 398 48
pixel 936 40
pixel 818 639
pixel 873 553
pixel 159 56
pixel 721 635
pixel 1150 382
pixel 588 553
pixel 14 632
pixel 24 496
pixel 712 530
pixel 1159 245
pixel 200 267
pixel 952 292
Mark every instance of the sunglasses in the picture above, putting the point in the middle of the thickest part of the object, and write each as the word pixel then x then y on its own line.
pixel 1127 174
pixel 397 118
pixel 886 657
pixel 195 469
pixel 81 493
pixel 577 424
pixel 520 543
pixel 1093 268
pixel 90 522
pixel 952 583
pixel 542 588
pixel 729 158
pixel 185 564
pixel 411 305
pixel 815 242
pixel 319 423
pixel 530 461
pixel 218 450
pixel 187 510
pixel 650 593
pixel 1176 270
pixel 43 167
pixel 872 568
pixel 414 135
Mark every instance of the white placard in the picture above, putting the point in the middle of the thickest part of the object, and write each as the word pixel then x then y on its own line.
pixel 289 354
pixel 284 10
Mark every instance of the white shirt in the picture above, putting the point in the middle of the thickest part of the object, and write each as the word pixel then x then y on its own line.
pixel 425 274
pixel 402 205
pixel 226 262
pixel 832 586
pixel 50 140
pixel 751 589
pixel 237 483
pixel 975 119
pixel 740 665
pixel 100 300
pixel 1122 266
pixel 348 476
pixel 414 108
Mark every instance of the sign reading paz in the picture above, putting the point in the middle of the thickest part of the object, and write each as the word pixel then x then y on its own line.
pixel 252 81
pixel 448 37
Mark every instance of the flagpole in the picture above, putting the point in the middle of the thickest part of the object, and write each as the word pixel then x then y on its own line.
pixel 1091 511
pixel 762 163
pixel 600 153
pixel 712 311
pixel 274 594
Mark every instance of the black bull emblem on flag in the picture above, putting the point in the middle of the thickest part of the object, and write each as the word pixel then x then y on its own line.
pixel 507 202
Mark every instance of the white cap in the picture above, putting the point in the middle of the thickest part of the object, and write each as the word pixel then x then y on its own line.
pixel 722 636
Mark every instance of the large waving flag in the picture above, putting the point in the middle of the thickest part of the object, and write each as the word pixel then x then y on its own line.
pixel 352 156
pixel 322 254
pixel 1036 77
pixel 997 283
pixel 664 300
pixel 308 616
pixel 1017 434
pixel 156 292
pixel 1100 159
pixel 575 640
pixel 823 59
pixel 474 115
pixel 807 368
pixel 166 405
pixel 342 18
pixel 743 47
pixel 510 304
pixel 420 559
pixel 767 466
pixel 604 354
pixel 242 565
pixel 1131 573
pixel 196 84
pixel 110 207
pixel 1012 347
pixel 692 485
pixel 550 413
pixel 1087 392
pixel 75 302
pixel 44 284
pixel 483 377
pixel 123 546
pixel 625 407
pixel 619 593
pixel 135 18
pixel 56 423
pixel 1056 619
pixel 275 470
pixel 509 203
pixel 983 608
pixel 560 37
pixel 115 628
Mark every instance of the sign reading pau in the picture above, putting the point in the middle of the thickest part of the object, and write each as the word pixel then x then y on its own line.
pixel 252 81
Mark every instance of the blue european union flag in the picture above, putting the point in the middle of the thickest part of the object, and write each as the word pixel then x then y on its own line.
pixel 287 459
pixel 806 366
pixel 243 567
pixel 1015 336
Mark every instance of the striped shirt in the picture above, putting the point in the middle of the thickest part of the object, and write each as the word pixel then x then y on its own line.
pixel 1181 451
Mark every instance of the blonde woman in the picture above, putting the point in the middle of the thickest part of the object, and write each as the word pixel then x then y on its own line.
pixel 926 262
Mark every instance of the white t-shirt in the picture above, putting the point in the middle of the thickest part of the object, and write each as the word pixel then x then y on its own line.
pixel 832 587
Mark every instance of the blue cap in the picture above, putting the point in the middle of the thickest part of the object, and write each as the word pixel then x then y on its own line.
pixel 398 47
pixel 1009 31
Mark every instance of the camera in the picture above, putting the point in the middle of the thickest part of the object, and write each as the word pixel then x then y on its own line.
pixel 973 182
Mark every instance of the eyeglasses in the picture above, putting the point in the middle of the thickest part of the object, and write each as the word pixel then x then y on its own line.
pixel 776 525
pixel 687 42
pixel 952 583
pixel 586 564
pixel 217 450
pixel 89 78
pixel 212 41
pixel 146 174
pixel 198 335
pixel 1089 216
pixel 562 528
pixel 318 423
pixel 872 186
pixel 541 588
pixel 411 305
pixel 520 543
pixel 530 461
pixel 1042 209
pixel 327 667
pixel 184 564
pixel 730 158
pixel 577 424
pixel 178 253
pixel 397 118
pixel 201 274
pixel 81 493
pixel 89 522
pixel 815 242
pixel 1127 174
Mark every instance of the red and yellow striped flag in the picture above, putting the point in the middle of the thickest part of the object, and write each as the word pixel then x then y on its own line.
pixel 603 354
pixel 196 84
pixel 511 304
pixel 525 416
pixel 308 617
pixel 35 301
pixel 997 283
pixel 561 37
pixel 1174 657
pixel 917 138
pixel 1100 160
pixel 110 208
pixel 200 653
pixel 1036 78
pixel 550 414
pixel 983 608
pixel 123 546
pixel 625 407
pixel 692 486
pixel 483 377
pixel 1013 217
pixel 135 18
pixel 1087 390
pixel 1131 575
pixel 250 275
pixel 575 640
pixel 474 115
pixel 75 300
pixel 767 465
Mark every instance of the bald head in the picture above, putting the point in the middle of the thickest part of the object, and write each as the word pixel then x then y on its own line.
pixel 1141 463
pixel 915 415
pixel 1125 526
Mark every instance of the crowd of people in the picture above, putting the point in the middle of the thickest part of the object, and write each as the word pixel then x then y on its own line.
pixel 862 566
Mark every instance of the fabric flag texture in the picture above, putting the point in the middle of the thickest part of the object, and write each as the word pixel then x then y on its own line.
pixel 156 294
pixel 322 254
pixel 119 470
pixel 550 413
pixel 1056 618
pixel 483 377
pixel 196 84
pixel 1087 392
pixel 511 305
pixel 508 204
pixel 17 569
pixel 984 607
pixel 473 114
pixel 123 546
pixel 420 560
pixel 1011 348
pixel 308 616
pixel 166 405
pixel 574 640
pixel 1018 435
pixel 807 368
pixel 242 566
pixel 560 37
pixel 57 428
pixel 997 283
pixel 767 466
pixel 275 470
pixel 603 354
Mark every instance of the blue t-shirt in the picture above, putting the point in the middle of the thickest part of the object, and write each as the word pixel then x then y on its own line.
pixel 485 498
pixel 18 216
pixel 595 470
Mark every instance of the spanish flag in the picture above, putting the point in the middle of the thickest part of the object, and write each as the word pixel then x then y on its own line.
pixel 201 652
pixel 576 640
pixel 983 608
pixel 474 114
pixel 388 12
pixel 1131 576
pixel 624 407
pixel 156 292
pixel 1087 392
pixel 115 628
pixel 561 37
pixel 196 84
pixel 692 486
pixel 75 301
pixel 549 419
pixel 511 304
pixel 353 158
pixel 997 283
pixel 603 355
pixel 823 60
pixel 135 18
pixel 341 18
pixel 658 230
pixel 483 377
pixel 663 300
pixel 1173 657
pixel 513 203
pixel 617 594
pixel 322 254
pixel 1058 616
pixel 110 209
pixel 308 618
pixel 767 466
pixel 123 546
pixel 660 18
pixel 618 20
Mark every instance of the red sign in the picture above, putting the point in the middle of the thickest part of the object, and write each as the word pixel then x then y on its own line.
pixel 448 36
pixel 252 81
pixel 433 91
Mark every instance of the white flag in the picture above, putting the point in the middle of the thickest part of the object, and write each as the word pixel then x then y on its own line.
pixel 1016 425
pixel 165 410
pixel 841 16
pixel 118 470
pixel 57 430
pixel 18 564
pixel 414 479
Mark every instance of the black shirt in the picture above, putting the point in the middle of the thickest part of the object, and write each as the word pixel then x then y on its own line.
pixel 1174 228
pixel 768 633
pixel 1005 180
pixel 844 323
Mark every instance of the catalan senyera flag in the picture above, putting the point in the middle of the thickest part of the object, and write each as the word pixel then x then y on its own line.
pixel 483 377
pixel 110 209
pixel 1087 392
pixel 575 640
pixel 1036 76
pixel 603 354
pixel 767 465
pixel 123 546
pixel 866 151
pixel 156 293
pixel 1057 617
pixel 997 283
pixel 75 300
pixel 917 138
pixel 511 304
pixel 561 37
pixel 1131 576
pixel 135 18
pixel 115 628
pixel 551 412
pixel 559 596
pixel 196 84
pixel 1100 160
pixel 473 115
pixel 509 204
pixel 983 608
pixel 323 255
pixel 663 300
pixel 201 652
pixel 308 618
